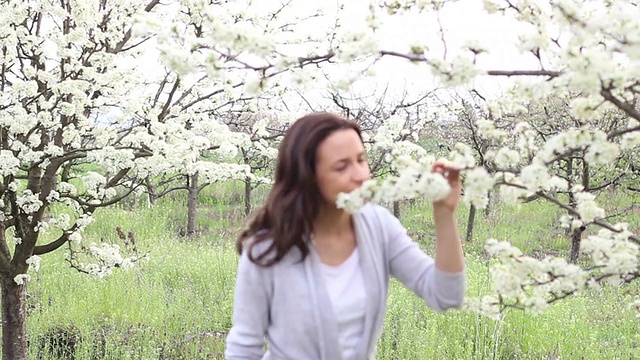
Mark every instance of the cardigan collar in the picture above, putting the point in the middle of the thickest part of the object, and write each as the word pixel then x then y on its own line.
pixel 324 315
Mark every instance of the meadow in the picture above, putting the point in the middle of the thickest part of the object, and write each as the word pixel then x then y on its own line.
pixel 178 303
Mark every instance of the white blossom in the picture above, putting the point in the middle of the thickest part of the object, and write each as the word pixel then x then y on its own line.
pixel 535 177
pixel 487 129
pixel 462 156
pixel 587 207
pixel 612 252
pixel 109 257
pixel 34 262
pixel 28 202
pixel 478 183
pixel 22 279
pixel 506 158
pixel 415 179
pixel 75 237
pixel 8 163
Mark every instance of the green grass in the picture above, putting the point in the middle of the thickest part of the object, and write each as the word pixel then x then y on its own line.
pixel 178 303
pixel 594 326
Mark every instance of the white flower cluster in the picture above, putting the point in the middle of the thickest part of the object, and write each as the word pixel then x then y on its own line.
pixel 259 128
pixel 355 44
pixel 612 252
pixel 397 139
pixel 526 142
pixel 461 70
pixel 81 224
pixel 8 163
pixel 109 257
pixel 507 158
pixel 22 279
pixel 488 130
pixel 477 184
pixel 111 158
pixel 599 149
pixel 525 282
pixel 211 172
pixel 535 177
pixel 463 156
pixel 266 35
pixel 415 179
pixel 522 281
pixel 631 140
pixel 387 134
pixel 94 184
pixel 66 188
pixel 587 207
pixel 34 262
pixel 510 194
pixel 595 47
pixel 28 202
pixel 263 148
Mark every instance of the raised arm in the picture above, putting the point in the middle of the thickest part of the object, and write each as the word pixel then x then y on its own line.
pixel 449 256
pixel 441 283
pixel 418 271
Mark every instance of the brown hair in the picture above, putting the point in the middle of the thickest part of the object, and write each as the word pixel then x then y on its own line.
pixel 294 201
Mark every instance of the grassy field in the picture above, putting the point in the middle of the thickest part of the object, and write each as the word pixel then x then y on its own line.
pixel 178 304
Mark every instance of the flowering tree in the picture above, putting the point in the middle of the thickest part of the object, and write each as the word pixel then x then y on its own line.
pixel 265 130
pixel 60 78
pixel 187 107
pixel 85 117
pixel 588 48
pixel 87 112
pixel 548 117
pixel 463 128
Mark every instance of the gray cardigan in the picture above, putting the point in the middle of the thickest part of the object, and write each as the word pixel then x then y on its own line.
pixel 289 304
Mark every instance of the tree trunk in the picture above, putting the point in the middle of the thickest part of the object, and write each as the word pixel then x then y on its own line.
pixel 576 238
pixel 247 196
pixel 487 209
pixel 151 190
pixel 192 204
pixel 14 320
pixel 396 209
pixel 470 221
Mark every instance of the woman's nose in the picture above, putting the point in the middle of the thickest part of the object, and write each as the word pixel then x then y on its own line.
pixel 362 173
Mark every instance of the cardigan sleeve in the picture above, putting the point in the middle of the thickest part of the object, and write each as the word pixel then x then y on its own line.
pixel 417 271
pixel 251 306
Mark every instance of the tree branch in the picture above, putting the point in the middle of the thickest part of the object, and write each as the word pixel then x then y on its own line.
pixel 175 188
pixel 508 73
pixel 54 245
pixel 626 107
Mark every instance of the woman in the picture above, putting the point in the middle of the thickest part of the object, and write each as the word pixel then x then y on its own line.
pixel 312 278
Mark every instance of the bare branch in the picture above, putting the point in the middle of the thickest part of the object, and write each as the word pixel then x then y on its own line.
pixel 175 188
pixel 508 73
pixel 626 107
pixel 54 245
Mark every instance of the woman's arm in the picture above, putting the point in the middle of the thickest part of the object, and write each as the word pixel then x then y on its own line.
pixel 418 271
pixel 449 256
pixel 440 282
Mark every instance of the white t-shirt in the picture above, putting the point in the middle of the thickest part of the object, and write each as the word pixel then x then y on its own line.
pixel 345 286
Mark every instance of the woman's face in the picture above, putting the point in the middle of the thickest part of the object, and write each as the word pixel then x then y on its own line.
pixel 341 164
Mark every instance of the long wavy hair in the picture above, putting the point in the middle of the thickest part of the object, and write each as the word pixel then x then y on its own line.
pixel 286 218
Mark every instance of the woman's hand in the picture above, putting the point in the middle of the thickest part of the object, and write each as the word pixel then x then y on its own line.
pixel 452 174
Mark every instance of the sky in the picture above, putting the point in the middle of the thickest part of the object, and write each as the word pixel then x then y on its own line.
pixel 461 21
